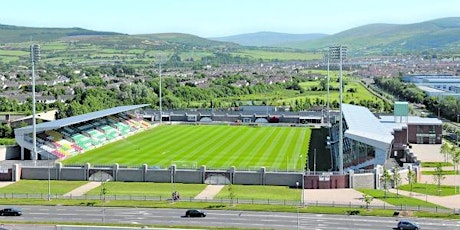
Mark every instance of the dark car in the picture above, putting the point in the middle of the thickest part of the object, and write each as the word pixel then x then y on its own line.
pixel 195 213
pixel 10 212
pixel 407 225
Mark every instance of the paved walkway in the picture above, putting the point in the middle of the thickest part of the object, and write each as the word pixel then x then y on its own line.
pixel 209 192
pixel 428 153
pixel 338 196
pixel 5 183
pixel 84 189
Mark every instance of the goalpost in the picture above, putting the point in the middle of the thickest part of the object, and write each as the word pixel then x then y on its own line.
pixel 185 164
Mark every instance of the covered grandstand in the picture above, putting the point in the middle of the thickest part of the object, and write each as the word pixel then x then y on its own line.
pixel 72 135
pixel 366 142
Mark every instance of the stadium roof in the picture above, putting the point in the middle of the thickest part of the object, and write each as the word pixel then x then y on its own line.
pixel 364 127
pixel 76 119
pixel 412 120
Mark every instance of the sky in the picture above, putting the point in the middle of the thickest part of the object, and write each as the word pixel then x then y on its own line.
pixel 219 18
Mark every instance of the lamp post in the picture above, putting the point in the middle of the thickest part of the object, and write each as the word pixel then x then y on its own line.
pixel 298 220
pixel 103 192
pixel 49 182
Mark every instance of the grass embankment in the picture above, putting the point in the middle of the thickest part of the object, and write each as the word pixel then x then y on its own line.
pixel 160 189
pixel 431 189
pixel 398 200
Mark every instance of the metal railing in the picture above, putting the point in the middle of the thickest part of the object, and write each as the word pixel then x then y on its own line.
pixel 90 200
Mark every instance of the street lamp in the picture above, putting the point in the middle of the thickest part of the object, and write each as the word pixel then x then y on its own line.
pixel 49 182
pixel 103 192
pixel 298 220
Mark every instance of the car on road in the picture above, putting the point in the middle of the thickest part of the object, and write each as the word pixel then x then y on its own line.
pixel 194 213
pixel 10 212
pixel 407 225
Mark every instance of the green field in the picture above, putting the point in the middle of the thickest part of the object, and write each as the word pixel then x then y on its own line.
pixel 216 146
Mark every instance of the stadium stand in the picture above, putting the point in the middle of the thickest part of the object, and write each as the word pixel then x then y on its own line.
pixel 81 133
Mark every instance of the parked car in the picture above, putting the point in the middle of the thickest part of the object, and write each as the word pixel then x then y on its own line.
pixel 407 225
pixel 10 212
pixel 195 213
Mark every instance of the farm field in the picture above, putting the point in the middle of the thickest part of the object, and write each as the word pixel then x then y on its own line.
pixel 216 146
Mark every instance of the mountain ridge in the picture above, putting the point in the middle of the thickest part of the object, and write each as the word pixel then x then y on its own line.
pixel 438 35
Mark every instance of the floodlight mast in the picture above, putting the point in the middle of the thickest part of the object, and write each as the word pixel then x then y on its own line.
pixel 161 112
pixel 34 58
pixel 328 93
pixel 339 53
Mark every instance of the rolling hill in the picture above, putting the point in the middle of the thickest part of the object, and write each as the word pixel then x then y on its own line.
pixel 435 36
pixel 268 38
pixel 440 35
pixel 17 34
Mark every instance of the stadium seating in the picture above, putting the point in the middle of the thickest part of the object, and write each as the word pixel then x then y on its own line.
pixel 81 137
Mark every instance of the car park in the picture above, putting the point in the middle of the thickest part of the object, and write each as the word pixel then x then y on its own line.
pixel 194 213
pixel 10 212
pixel 407 225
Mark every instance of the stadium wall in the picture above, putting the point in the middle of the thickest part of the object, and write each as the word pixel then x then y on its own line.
pixel 9 152
pixel 158 175
pixel 200 176
pixel 248 178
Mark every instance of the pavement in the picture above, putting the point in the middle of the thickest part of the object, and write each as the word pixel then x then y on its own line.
pixel 210 192
pixel 80 191
pixel 338 196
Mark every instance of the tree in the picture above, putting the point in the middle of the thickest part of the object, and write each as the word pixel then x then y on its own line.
pixel 396 180
pixel 411 178
pixel 385 179
pixel 445 150
pixel 438 176
pixel 367 199
pixel 455 154
pixel 231 193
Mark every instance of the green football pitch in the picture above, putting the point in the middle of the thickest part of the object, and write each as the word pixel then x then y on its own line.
pixel 216 146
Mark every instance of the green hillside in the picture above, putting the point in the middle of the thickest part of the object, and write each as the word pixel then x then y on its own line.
pixel 436 35
pixel 16 34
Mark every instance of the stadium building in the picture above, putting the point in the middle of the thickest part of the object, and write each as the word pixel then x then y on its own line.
pixel 371 140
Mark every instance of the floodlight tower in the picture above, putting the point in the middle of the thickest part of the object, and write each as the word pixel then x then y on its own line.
pixel 161 111
pixel 339 53
pixel 34 59
pixel 326 56
pixel 160 59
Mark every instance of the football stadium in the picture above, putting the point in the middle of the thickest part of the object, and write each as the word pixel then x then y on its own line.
pixel 121 135
pixel 251 146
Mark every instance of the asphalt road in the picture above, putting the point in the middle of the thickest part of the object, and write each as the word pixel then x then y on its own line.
pixel 217 218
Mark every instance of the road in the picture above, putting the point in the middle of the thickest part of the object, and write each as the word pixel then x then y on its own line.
pixel 217 218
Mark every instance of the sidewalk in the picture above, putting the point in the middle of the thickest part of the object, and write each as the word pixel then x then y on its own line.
pixel 6 183
pixel 83 189
pixel 338 196
pixel 210 192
